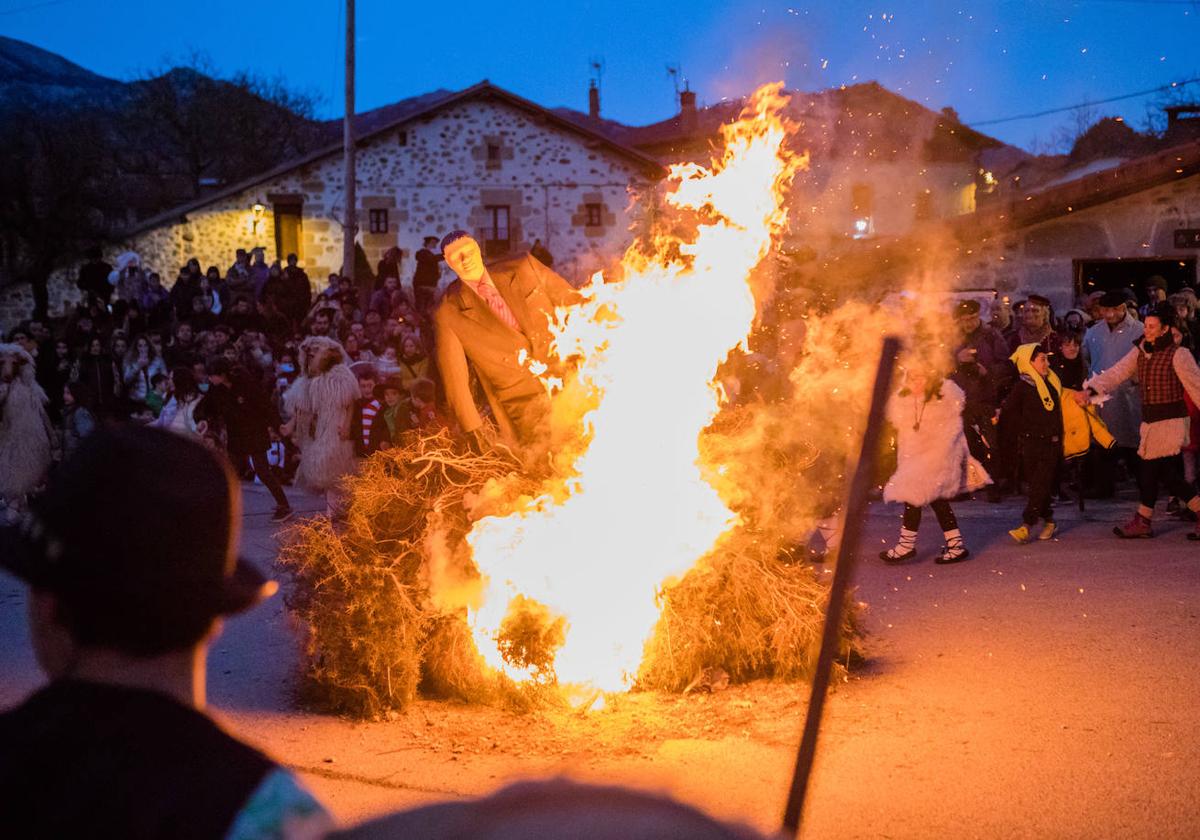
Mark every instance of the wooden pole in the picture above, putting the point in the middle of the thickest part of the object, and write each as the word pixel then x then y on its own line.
pixel 349 220
pixel 855 513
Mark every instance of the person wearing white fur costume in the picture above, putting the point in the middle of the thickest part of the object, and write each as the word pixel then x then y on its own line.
pixel 27 440
pixel 933 463
pixel 319 404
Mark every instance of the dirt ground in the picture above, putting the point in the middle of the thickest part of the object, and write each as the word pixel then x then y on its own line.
pixel 1047 690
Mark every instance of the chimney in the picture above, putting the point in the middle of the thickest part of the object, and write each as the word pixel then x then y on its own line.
pixel 593 100
pixel 687 110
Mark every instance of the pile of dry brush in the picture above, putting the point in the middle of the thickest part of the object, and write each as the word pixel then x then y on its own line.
pixel 371 593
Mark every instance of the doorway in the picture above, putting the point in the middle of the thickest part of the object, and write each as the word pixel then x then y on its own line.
pixel 1106 275
pixel 288 217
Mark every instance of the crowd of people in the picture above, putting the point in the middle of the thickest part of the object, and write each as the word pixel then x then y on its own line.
pixel 212 356
pixel 1051 407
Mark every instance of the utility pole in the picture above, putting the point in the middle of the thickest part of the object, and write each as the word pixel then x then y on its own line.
pixel 349 221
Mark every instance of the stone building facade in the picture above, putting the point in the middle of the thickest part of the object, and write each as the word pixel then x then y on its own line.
pixel 1111 229
pixel 481 159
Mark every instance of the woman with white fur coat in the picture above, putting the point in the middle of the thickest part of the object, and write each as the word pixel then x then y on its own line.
pixel 933 463
pixel 27 439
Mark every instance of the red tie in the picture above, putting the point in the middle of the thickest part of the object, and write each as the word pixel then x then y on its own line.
pixel 497 303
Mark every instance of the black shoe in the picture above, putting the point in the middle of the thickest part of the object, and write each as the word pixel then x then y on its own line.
pixel 281 514
pixel 952 556
pixel 896 559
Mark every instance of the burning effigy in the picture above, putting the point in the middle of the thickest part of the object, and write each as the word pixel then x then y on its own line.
pixel 638 545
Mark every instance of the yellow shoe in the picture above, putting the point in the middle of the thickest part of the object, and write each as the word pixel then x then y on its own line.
pixel 1020 533
pixel 1048 530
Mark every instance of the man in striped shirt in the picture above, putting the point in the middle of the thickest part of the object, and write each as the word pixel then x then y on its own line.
pixel 365 409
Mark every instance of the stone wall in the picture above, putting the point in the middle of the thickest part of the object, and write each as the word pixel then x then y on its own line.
pixel 431 175
pixel 1040 258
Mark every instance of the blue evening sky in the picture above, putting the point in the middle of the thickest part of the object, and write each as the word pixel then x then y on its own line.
pixel 988 60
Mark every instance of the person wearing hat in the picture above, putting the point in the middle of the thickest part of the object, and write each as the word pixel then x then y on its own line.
pixel 983 370
pixel 122 610
pixel 491 318
pixel 427 274
pixel 1104 344
pixel 1165 372
pixel 394 418
pixel 1035 326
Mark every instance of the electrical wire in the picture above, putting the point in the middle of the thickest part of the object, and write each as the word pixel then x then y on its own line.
pixel 1049 111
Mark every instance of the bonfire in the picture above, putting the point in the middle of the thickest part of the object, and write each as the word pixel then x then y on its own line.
pixel 641 547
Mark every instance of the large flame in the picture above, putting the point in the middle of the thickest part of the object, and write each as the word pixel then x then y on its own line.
pixel 635 511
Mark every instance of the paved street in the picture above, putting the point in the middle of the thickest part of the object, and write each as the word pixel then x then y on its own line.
pixel 1047 690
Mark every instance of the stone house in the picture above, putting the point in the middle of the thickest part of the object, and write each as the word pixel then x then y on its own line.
pixel 483 158
pixel 1111 228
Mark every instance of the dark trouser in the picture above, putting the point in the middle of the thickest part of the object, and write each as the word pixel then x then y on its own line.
pixel 1106 468
pixel 1039 465
pixel 262 468
pixel 423 297
pixel 941 509
pixel 1166 471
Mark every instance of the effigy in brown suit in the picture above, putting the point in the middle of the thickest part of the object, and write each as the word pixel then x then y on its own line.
pixel 469 330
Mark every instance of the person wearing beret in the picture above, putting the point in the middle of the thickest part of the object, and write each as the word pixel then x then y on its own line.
pixel 983 370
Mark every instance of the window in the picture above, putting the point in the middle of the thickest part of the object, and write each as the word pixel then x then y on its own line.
pixel 497 239
pixel 377 220
pixel 493 155
pixel 402 138
pixel 924 206
pixel 595 215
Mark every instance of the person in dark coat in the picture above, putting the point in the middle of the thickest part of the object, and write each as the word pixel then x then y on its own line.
pixel 96 370
pixel 93 277
pixel 427 275
pixel 249 418
pixel 1033 411
pixel 123 607
pixel 296 297
pixel 1069 363
pixel 394 417
pixel 984 373
pixel 186 288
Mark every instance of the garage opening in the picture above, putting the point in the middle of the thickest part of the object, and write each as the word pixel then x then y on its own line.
pixel 1105 275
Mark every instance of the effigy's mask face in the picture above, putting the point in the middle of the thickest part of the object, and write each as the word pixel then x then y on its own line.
pixel 464 258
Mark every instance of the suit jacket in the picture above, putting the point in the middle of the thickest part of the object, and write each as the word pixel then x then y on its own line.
pixel 467 330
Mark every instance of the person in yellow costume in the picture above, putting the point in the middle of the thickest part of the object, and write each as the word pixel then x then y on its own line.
pixel 1047 428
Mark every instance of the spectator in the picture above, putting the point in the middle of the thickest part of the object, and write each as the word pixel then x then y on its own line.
pixel 1155 290
pixel 387 296
pixel 78 420
pixel 1035 326
pixel 156 398
pixel 243 315
pixel 155 301
pixel 179 412
pixel 354 353
pixel 984 373
pixel 1034 409
pixel 139 366
pixel 1069 364
pixel 411 361
pixel 238 275
pixel 260 272
pixel 97 370
pixel 366 408
pixel 93 277
pixel 55 372
pixel 249 421
pixel 202 317
pixel 373 331
pixel 182 348
pixel 394 418
pixel 297 292
pixel 1106 343
pixel 389 266
pixel 322 322
pixel 427 275
pixel 933 463
pixel 542 254
pixel 185 289
pixel 123 607
pixel 425 414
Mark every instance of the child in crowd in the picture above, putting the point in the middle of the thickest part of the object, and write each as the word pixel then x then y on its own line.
pixel 1034 410
pixel 366 408
pixel 78 421
pixel 425 414
pixel 393 419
